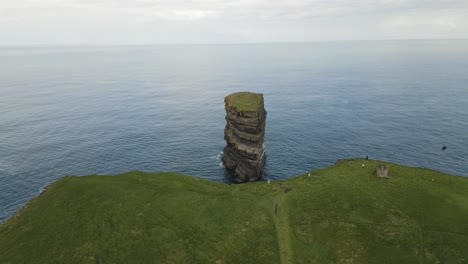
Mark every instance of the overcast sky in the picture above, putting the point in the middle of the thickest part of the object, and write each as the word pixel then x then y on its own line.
pixel 76 22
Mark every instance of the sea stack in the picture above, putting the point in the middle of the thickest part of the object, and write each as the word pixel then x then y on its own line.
pixel 244 154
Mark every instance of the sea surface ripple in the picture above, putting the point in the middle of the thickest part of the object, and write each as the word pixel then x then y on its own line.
pixel 108 110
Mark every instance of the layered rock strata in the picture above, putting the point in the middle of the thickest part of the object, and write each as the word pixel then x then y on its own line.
pixel 244 154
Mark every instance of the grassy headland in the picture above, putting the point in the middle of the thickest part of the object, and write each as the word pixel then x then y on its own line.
pixel 339 214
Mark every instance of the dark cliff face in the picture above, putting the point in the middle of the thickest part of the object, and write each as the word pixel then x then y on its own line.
pixel 244 154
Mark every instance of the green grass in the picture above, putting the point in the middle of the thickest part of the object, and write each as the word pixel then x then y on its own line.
pixel 340 214
pixel 245 101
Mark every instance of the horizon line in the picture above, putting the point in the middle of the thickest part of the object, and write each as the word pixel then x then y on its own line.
pixel 218 43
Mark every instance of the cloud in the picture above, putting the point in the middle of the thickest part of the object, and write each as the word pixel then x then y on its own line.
pixel 426 21
pixel 194 21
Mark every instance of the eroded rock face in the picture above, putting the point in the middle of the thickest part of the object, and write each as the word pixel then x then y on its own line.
pixel 244 154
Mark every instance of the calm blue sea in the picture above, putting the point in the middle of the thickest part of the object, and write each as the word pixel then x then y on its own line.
pixel 107 110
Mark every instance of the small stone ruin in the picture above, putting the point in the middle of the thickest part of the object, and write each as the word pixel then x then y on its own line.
pixel 382 171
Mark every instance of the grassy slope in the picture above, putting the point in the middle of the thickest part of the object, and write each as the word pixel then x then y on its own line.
pixel 345 214
pixel 245 101
pixel 140 218
pixel 340 214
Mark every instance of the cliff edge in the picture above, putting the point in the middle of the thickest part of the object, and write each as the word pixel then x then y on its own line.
pixel 244 154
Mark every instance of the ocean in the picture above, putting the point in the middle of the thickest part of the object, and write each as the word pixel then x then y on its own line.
pixel 108 110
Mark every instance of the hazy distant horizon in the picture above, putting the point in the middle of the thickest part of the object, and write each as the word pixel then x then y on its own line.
pixel 145 22
pixel 214 43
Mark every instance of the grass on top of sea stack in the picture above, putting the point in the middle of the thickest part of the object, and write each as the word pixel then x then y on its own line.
pixel 245 101
pixel 339 214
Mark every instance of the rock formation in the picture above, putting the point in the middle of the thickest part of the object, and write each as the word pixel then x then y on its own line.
pixel 244 154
